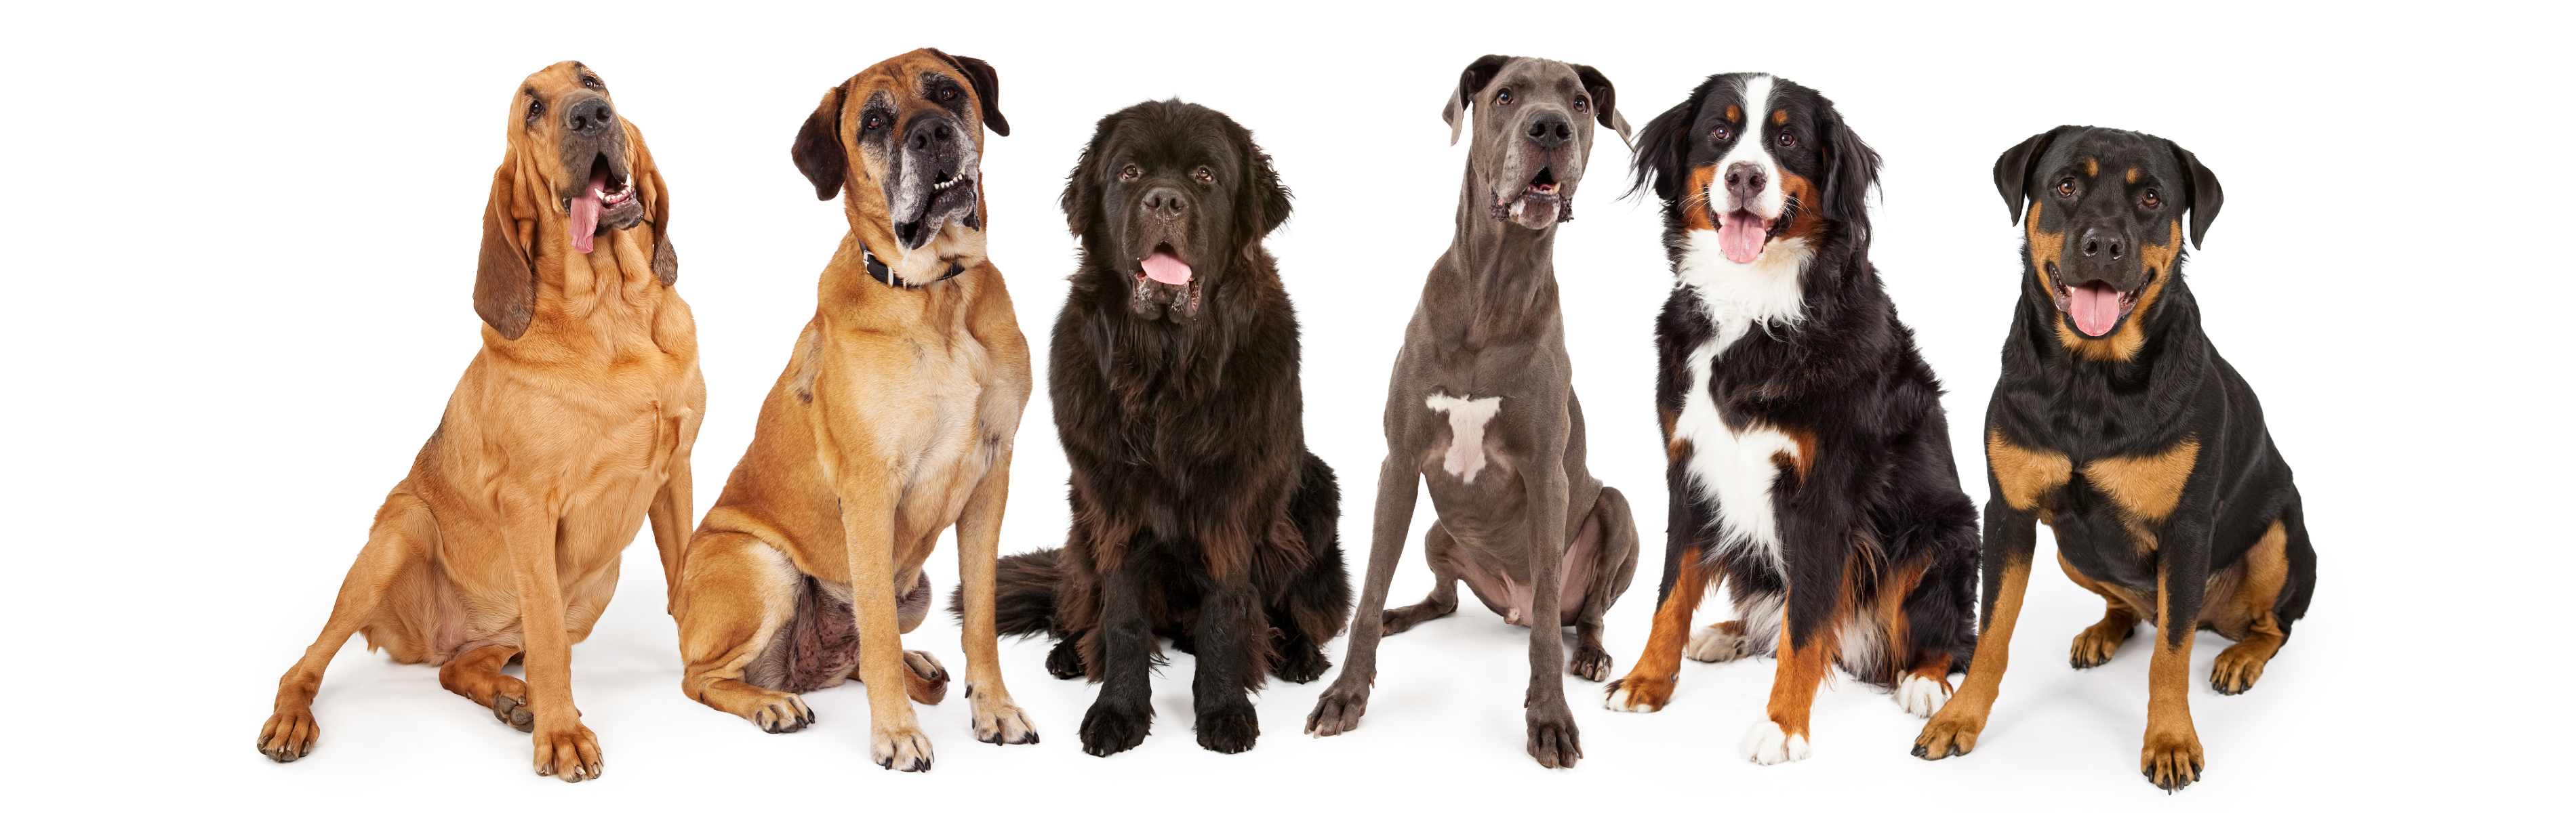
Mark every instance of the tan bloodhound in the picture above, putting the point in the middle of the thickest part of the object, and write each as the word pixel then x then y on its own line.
pixel 893 421
pixel 572 425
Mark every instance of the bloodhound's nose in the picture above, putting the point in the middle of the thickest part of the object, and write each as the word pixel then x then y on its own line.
pixel 1550 130
pixel 2098 241
pixel 1165 201
pixel 1745 179
pixel 590 116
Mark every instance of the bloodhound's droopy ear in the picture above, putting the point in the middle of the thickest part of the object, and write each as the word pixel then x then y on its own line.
pixel 988 88
pixel 818 150
pixel 657 207
pixel 1470 82
pixel 505 277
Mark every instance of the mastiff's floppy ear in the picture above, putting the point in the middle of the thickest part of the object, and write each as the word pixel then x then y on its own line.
pixel 818 150
pixel 1605 100
pixel 2202 197
pixel 657 208
pixel 505 276
pixel 988 88
pixel 1470 82
pixel 2013 169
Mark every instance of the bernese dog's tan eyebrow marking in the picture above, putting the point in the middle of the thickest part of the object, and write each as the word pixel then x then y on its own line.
pixel 2092 168
pixel 1735 113
pixel 1780 116
pixel 2133 174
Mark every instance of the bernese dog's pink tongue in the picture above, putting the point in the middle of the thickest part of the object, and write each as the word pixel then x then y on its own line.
pixel 1740 235
pixel 584 217
pixel 1167 269
pixel 2095 306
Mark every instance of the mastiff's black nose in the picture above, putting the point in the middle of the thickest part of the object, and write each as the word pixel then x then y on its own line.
pixel 932 134
pixel 1550 130
pixel 1744 179
pixel 2099 241
pixel 590 116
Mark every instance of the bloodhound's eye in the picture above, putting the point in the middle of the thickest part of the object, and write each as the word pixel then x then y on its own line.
pixel 1582 103
pixel 2151 199
pixel 1503 97
pixel 2066 187
pixel 1132 172
pixel 535 108
pixel 872 122
pixel 593 83
pixel 1788 139
pixel 1204 175
pixel 1722 133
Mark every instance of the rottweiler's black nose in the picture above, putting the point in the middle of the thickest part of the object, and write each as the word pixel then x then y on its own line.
pixel 1745 179
pixel 1165 201
pixel 934 133
pixel 1550 130
pixel 2099 241
pixel 589 116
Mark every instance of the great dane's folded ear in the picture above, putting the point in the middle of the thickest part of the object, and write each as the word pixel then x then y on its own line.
pixel 505 276
pixel 1470 82
pixel 1660 149
pixel 2203 197
pixel 1605 101
pixel 2014 167
pixel 818 151
pixel 657 208
pixel 988 88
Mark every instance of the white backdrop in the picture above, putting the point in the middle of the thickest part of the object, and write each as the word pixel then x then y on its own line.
pixel 239 251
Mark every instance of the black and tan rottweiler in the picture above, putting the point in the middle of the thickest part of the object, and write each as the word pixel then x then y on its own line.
pixel 2116 422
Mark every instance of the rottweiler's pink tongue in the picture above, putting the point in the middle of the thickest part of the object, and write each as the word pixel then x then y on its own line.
pixel 1740 235
pixel 584 217
pixel 2095 306
pixel 1167 269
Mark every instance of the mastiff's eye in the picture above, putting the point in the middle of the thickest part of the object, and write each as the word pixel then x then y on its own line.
pixel 535 108
pixel 1503 97
pixel 1132 172
pixel 2151 199
pixel 947 94
pixel 1582 103
pixel 872 122
pixel 1788 139
pixel 1204 175
pixel 1722 133
pixel 2066 187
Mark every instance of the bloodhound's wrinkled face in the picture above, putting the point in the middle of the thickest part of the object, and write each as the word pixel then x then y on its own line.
pixel 2103 212
pixel 1761 161
pixel 578 171
pixel 1533 133
pixel 904 139
pixel 564 113
pixel 1173 197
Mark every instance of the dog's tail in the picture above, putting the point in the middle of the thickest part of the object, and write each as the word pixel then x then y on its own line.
pixel 1023 593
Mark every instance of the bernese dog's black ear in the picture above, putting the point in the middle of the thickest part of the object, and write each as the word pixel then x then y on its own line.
pixel 1605 100
pixel 2014 168
pixel 2203 195
pixel 1851 168
pixel 818 150
pixel 1661 148
pixel 1470 82
pixel 1081 199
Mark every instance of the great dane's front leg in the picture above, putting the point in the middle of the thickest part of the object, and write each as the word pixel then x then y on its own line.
pixel 1399 484
pixel 565 749
pixel 1230 661
pixel 1553 739
pixel 1124 712
pixel 979 532
pixel 867 489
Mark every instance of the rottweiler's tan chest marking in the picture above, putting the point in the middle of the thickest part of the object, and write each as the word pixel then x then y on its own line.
pixel 2146 486
pixel 2023 476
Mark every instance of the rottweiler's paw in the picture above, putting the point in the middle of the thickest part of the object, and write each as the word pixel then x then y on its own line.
pixel 2238 667
pixel 1766 743
pixel 899 748
pixel 1951 732
pixel 1589 663
pixel 1340 708
pixel 1110 727
pixel 1229 730
pixel 1065 660
pixel 1717 644
pixel 923 678
pixel 2171 760
pixel 1638 694
pixel 289 735
pixel 1553 739
pixel 569 753
pixel 782 714
pixel 2095 645
pixel 1000 722
pixel 1921 695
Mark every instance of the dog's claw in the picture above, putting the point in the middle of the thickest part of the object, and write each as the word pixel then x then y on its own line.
pixel 1339 710
pixel 289 735
pixel 1111 727
pixel 900 748
pixel 1065 661
pixel 1230 730
pixel 1553 738
pixel 514 713
pixel 999 722
pixel 571 754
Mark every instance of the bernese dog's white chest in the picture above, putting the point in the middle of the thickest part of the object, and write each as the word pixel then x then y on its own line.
pixel 1730 467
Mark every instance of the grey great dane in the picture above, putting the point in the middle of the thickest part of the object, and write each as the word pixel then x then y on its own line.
pixel 1482 409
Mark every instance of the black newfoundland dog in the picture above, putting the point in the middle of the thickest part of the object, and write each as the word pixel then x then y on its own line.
pixel 1198 513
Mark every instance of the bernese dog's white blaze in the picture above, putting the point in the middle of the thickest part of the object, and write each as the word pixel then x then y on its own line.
pixel 1921 696
pixel 1465 456
pixel 1737 468
pixel 1752 146
pixel 1766 744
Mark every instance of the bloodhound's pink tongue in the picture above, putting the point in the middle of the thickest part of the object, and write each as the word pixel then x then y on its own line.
pixel 2095 306
pixel 1166 268
pixel 1740 235
pixel 584 217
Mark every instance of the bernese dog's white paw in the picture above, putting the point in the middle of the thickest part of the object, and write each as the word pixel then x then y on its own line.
pixel 1766 744
pixel 1921 696
pixel 1713 644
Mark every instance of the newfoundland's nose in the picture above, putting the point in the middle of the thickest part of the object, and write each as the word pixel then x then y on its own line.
pixel 2100 241
pixel 1744 180
pixel 1549 130
pixel 1164 201
pixel 590 116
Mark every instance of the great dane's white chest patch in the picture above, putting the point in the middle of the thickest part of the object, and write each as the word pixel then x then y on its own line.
pixel 1468 417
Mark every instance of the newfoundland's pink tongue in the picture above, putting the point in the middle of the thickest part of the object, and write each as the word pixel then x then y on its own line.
pixel 1741 235
pixel 2095 306
pixel 585 214
pixel 1165 268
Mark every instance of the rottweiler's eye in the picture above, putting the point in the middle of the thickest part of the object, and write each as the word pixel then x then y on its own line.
pixel 2151 199
pixel 947 94
pixel 1132 172
pixel 535 108
pixel 1722 133
pixel 1788 139
pixel 2066 187
pixel 1581 102
pixel 1204 175
pixel 1503 97
pixel 872 122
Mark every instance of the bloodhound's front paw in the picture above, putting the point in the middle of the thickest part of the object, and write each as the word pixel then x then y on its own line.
pixel 289 735
pixel 924 680
pixel 999 721
pixel 899 747
pixel 569 753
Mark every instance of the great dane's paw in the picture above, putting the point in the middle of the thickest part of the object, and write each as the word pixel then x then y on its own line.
pixel 1340 708
pixel 1717 644
pixel 1766 743
pixel 510 706
pixel 1110 727
pixel 1921 695
pixel 899 748
pixel 1952 731
pixel 1553 739
pixel 782 713
pixel 1589 663
pixel 1638 694
pixel 289 735
pixel 2238 667
pixel 1301 663
pixel 2095 645
pixel 1229 730
pixel 2171 759
pixel 1000 722
pixel 569 753
pixel 1065 660
pixel 923 678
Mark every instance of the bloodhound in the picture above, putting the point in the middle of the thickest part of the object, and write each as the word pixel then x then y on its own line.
pixel 572 425
pixel 892 421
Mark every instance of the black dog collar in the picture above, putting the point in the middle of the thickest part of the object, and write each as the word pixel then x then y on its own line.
pixel 881 273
